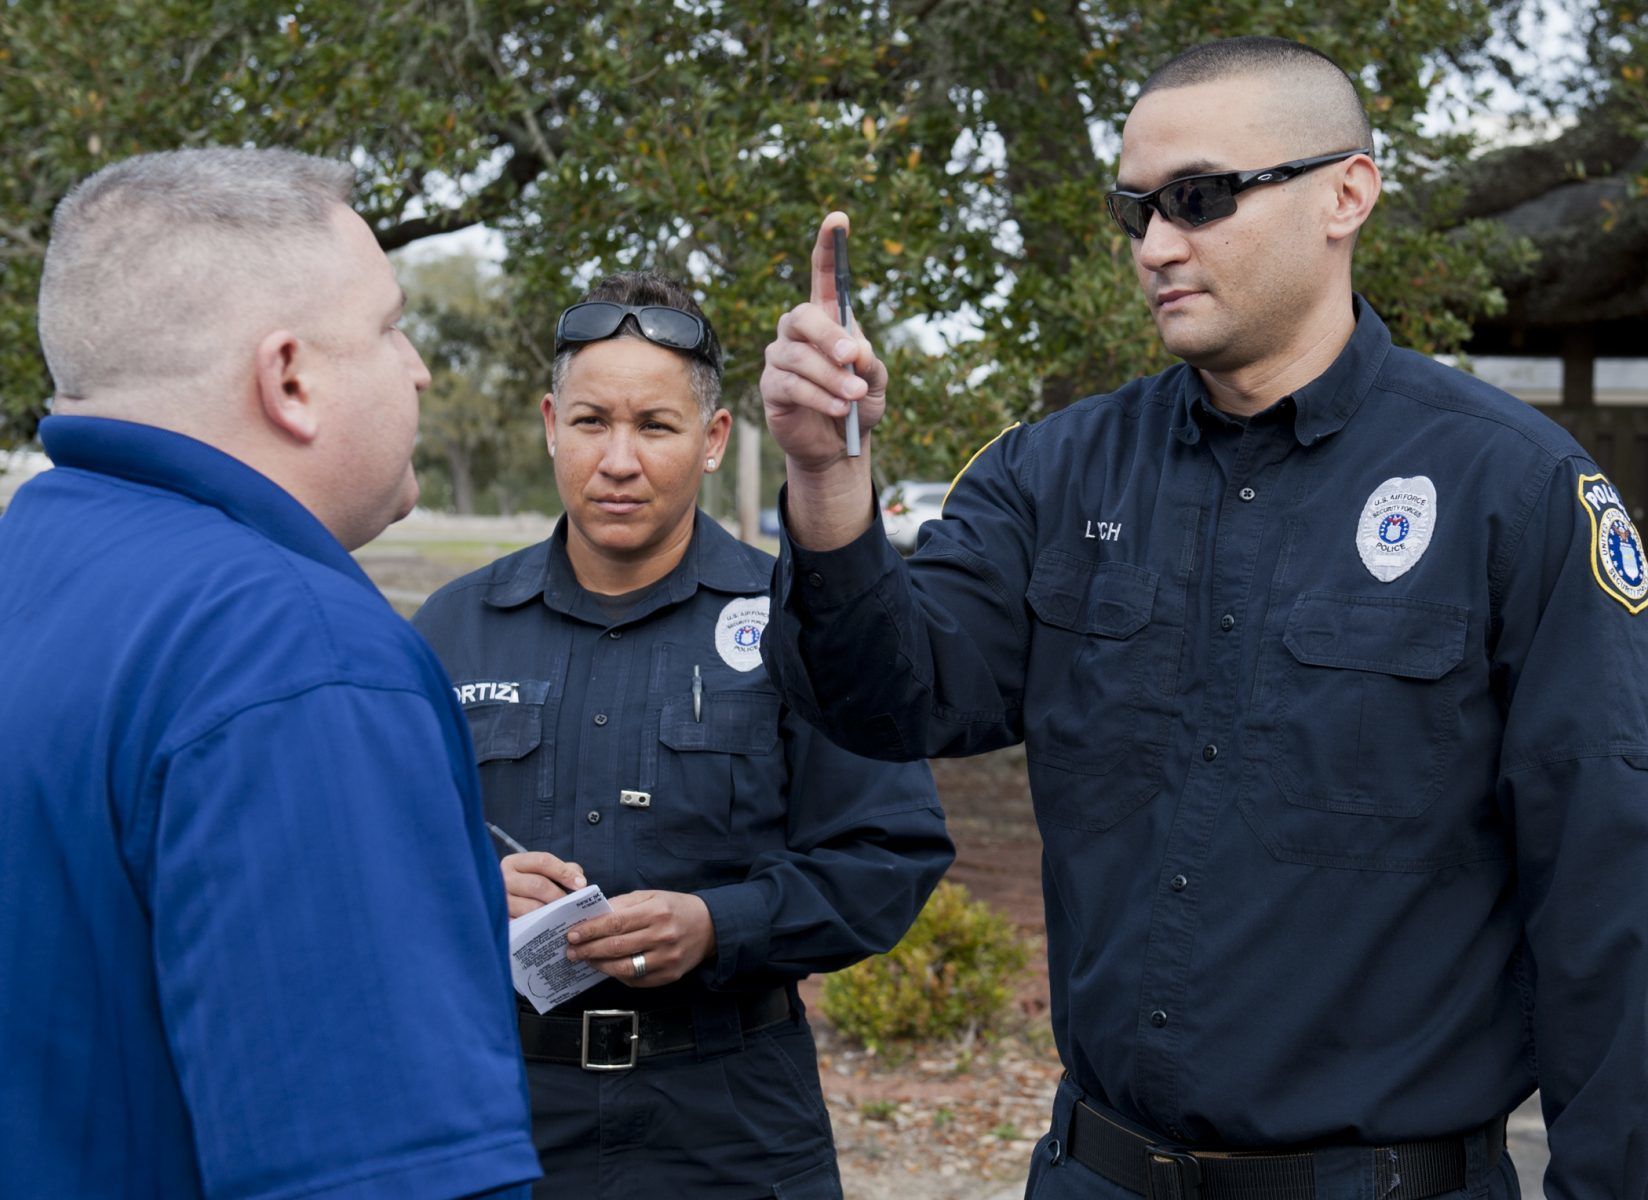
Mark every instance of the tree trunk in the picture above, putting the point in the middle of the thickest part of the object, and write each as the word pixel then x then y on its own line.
pixel 749 480
pixel 461 472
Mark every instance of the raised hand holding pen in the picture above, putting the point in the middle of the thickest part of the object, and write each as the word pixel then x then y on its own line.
pixel 815 370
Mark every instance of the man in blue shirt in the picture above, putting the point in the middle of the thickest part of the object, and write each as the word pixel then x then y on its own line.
pixel 251 931
pixel 1329 666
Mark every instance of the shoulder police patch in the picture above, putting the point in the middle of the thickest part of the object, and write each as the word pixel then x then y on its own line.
pixel 738 632
pixel 1616 546
pixel 1396 525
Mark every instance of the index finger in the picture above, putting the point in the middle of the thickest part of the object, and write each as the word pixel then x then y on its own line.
pixel 604 926
pixel 824 259
pixel 538 862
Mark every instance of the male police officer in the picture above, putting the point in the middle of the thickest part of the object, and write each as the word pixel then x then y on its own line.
pixel 1330 671
pixel 252 931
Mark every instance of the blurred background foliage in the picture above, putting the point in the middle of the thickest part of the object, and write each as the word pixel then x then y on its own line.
pixel 970 140
pixel 952 975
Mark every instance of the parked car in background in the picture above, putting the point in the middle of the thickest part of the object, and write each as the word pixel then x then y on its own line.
pixel 906 506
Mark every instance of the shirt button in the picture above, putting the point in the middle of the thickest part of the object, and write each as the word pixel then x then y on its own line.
pixel 1178 883
pixel 815 579
pixel 594 818
pixel 616 634
pixel 600 718
pixel 1158 1018
pixel 1226 623
pixel 1247 493
pixel 1210 752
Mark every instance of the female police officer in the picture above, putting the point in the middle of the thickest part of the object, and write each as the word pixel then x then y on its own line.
pixel 626 733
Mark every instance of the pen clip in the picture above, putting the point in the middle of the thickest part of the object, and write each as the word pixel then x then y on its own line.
pixel 697 695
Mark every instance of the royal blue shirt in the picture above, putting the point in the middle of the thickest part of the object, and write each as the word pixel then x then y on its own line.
pixel 251 930
pixel 592 747
pixel 1337 729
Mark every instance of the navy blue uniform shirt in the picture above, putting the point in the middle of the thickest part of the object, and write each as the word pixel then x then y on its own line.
pixel 251 930
pixel 1337 729
pixel 593 747
pixel 807 857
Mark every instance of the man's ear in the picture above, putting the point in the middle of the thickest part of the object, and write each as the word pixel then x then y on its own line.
pixel 1356 187
pixel 547 406
pixel 283 392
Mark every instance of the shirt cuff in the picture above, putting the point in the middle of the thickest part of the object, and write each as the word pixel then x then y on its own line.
pixel 743 930
pixel 824 579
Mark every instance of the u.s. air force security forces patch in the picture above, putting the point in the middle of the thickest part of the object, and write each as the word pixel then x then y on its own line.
pixel 1396 525
pixel 1616 546
pixel 738 632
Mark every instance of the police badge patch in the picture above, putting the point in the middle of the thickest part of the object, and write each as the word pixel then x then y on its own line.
pixel 1396 525
pixel 1616 546
pixel 738 632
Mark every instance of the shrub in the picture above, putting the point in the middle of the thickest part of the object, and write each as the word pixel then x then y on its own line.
pixel 952 974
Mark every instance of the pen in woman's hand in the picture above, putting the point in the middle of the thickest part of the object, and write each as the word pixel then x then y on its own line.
pixel 503 837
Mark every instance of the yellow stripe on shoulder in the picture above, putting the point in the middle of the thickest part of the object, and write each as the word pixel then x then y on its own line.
pixel 973 460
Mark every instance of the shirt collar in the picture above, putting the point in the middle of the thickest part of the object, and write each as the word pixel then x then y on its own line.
pixel 714 559
pixel 1323 405
pixel 174 462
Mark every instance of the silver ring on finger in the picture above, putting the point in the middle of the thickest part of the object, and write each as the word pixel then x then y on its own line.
pixel 638 963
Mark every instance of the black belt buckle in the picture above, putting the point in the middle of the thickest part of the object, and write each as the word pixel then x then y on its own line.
pixel 634 1039
pixel 1172 1174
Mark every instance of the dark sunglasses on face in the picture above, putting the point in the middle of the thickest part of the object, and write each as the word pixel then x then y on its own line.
pixel 597 320
pixel 1197 199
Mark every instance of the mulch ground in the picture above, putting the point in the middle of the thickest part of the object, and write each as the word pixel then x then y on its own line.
pixel 958 1121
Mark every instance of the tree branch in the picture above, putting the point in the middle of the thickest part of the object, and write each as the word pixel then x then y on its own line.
pixel 1600 143
pixel 490 202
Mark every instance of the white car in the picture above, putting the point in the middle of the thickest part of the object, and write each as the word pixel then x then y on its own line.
pixel 906 506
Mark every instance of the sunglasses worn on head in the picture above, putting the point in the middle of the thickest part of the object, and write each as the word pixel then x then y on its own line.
pixel 597 320
pixel 1197 199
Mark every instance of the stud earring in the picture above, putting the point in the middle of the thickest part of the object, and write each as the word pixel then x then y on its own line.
pixel 552 451
pixel 709 465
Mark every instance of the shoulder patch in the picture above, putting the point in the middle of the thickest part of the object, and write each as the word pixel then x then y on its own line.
pixel 973 460
pixel 1616 546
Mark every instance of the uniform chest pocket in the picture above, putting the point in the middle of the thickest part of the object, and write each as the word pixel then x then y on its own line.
pixel 721 787
pixel 505 731
pixel 1103 667
pixel 506 723
pixel 1367 709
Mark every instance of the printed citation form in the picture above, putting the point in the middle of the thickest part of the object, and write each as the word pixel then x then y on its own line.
pixel 538 945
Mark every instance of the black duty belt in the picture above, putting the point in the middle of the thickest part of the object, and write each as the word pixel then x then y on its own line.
pixel 613 1039
pixel 1408 1171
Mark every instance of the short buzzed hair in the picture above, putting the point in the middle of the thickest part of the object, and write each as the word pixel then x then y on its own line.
pixel 148 255
pixel 1333 114
pixel 642 288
